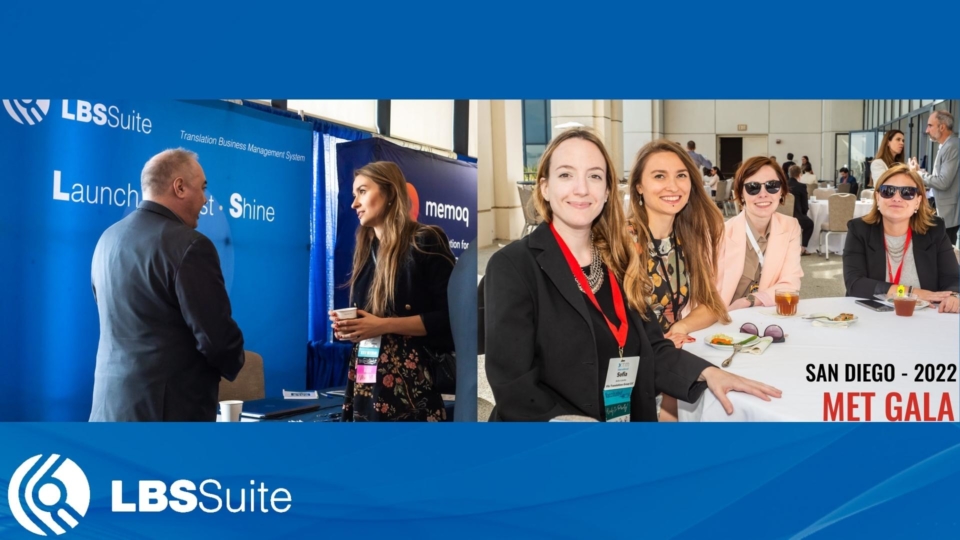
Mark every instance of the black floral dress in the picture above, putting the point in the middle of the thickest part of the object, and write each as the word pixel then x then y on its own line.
pixel 404 389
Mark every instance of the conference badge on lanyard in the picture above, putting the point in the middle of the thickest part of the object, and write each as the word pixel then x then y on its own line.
pixel 621 372
pixel 621 378
pixel 368 355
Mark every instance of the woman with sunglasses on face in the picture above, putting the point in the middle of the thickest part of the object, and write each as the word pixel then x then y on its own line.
pixel 676 230
pixel 889 154
pixel 568 329
pixel 761 248
pixel 901 242
pixel 399 283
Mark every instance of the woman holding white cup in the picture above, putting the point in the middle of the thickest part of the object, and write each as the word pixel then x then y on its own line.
pixel 399 287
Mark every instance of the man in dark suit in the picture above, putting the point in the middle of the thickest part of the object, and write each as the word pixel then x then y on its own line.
pixel 166 331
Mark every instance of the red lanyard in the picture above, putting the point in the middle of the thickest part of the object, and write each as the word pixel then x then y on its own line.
pixel 906 246
pixel 620 334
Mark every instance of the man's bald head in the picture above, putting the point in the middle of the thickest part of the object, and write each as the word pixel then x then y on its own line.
pixel 175 179
pixel 160 171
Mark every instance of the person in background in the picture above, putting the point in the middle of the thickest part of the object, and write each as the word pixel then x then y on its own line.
pixel 847 178
pixel 805 161
pixel 568 302
pixel 944 181
pixel 167 334
pixel 399 280
pixel 676 230
pixel 787 164
pixel 800 207
pixel 901 242
pixel 807 177
pixel 889 154
pixel 699 160
pixel 761 248
pixel 710 180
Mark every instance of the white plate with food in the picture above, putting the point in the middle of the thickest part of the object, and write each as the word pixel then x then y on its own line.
pixel 726 341
pixel 833 319
pixel 888 300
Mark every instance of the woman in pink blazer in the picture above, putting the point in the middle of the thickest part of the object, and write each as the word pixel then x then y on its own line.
pixel 760 252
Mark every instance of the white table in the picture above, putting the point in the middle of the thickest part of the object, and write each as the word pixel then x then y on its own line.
pixel 819 213
pixel 877 338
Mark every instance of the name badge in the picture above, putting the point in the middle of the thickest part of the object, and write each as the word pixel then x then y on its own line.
pixel 369 349
pixel 621 378
pixel 366 374
pixel 368 355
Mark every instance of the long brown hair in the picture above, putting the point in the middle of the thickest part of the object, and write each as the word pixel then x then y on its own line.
pixel 609 228
pixel 920 222
pixel 751 167
pixel 884 152
pixel 698 226
pixel 399 234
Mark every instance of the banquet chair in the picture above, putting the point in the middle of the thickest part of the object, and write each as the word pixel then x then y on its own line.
pixel 787 207
pixel 530 216
pixel 810 189
pixel 249 384
pixel 840 207
pixel 821 194
pixel 867 195
pixel 843 188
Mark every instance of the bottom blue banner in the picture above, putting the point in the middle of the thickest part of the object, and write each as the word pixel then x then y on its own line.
pixel 459 480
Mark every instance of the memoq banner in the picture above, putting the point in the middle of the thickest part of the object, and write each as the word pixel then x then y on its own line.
pixel 443 192
pixel 70 168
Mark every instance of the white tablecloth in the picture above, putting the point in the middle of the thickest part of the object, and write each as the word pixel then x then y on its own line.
pixel 819 213
pixel 877 338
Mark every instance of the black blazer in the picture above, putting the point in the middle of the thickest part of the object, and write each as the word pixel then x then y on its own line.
pixel 541 354
pixel 421 286
pixel 166 330
pixel 865 263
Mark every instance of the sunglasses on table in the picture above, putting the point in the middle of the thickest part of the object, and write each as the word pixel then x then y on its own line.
pixel 907 193
pixel 753 188
pixel 772 331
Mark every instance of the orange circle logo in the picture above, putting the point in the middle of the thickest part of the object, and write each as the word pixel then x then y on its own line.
pixel 414 201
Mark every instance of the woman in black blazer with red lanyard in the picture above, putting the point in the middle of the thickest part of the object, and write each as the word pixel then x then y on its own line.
pixel 901 242
pixel 568 331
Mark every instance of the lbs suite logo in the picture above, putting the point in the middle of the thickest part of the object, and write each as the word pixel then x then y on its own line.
pixel 48 495
pixel 27 111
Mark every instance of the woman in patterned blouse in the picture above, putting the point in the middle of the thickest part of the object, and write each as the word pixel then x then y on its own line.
pixel 677 229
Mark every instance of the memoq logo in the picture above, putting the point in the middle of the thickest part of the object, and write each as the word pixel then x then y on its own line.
pixel 48 495
pixel 27 111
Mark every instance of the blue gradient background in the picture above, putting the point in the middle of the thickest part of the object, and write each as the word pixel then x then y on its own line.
pixel 563 481
pixel 453 481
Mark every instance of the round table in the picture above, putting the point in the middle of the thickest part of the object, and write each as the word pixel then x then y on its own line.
pixel 927 337
pixel 819 213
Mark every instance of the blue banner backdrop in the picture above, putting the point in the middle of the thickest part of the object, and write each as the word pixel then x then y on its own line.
pixel 74 169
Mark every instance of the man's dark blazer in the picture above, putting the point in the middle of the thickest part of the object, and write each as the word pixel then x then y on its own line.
pixel 541 353
pixel 166 330
pixel 865 259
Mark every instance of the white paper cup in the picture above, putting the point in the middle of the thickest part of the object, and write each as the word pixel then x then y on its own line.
pixel 346 313
pixel 230 410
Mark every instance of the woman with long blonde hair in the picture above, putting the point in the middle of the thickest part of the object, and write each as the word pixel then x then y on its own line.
pixel 677 230
pixel 568 329
pixel 399 286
